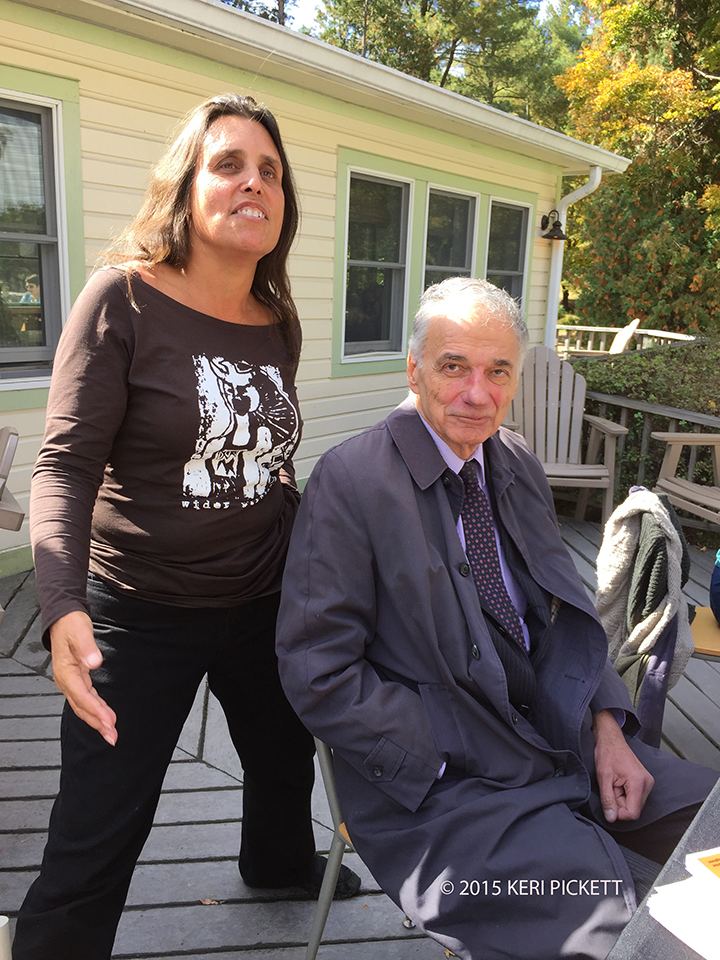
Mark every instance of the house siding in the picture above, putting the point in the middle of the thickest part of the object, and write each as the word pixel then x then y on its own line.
pixel 131 96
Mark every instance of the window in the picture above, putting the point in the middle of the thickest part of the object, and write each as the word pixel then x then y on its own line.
pixel 449 242
pixel 29 257
pixel 406 227
pixel 376 265
pixel 507 243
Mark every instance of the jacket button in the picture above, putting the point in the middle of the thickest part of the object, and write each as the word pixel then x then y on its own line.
pixel 446 481
pixel 475 651
pixel 514 717
pixel 377 771
pixel 559 772
pixel 464 569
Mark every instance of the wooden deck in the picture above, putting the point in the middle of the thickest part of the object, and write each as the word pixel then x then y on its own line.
pixel 186 899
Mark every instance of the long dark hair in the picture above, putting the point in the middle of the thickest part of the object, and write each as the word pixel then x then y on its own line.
pixel 160 233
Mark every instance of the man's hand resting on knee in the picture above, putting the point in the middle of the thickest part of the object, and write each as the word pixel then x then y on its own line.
pixel 624 782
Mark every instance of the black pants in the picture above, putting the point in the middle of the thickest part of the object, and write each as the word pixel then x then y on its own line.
pixel 155 657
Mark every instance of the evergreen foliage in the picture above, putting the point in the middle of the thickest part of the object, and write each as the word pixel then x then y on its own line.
pixel 277 11
pixel 496 51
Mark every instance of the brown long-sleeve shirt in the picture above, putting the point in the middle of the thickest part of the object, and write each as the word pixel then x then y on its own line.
pixel 160 468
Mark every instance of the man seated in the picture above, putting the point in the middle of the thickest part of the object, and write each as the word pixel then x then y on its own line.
pixel 435 633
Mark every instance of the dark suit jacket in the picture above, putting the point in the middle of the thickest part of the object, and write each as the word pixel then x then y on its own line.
pixel 377 586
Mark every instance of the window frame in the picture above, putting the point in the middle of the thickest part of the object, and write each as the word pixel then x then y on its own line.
pixel 421 179
pixel 529 214
pixel 347 356
pixel 29 367
pixel 473 224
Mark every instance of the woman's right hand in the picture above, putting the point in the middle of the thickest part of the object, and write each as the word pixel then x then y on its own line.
pixel 74 655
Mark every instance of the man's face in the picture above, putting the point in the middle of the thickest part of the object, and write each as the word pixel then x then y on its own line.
pixel 467 380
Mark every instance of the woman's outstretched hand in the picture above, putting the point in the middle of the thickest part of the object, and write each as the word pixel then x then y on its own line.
pixel 74 655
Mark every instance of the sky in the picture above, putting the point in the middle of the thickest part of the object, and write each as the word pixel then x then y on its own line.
pixel 303 13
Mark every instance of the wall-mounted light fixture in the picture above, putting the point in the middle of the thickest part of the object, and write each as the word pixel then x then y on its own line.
pixel 555 232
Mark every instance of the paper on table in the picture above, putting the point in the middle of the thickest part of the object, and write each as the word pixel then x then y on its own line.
pixel 689 908
pixel 705 864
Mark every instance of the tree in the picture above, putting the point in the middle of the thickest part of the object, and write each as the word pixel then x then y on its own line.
pixel 565 29
pixel 647 252
pixel 276 12
pixel 398 33
pixel 495 51
pixel 644 243
pixel 493 47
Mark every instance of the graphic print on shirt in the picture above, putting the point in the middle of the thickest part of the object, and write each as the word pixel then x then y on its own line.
pixel 248 429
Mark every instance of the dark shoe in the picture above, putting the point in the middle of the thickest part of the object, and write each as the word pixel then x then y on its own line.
pixel 348 883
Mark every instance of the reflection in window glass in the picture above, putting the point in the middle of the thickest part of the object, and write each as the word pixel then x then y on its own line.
pixel 375 287
pixel 448 249
pixel 506 247
pixel 29 277
pixel 22 189
pixel 21 320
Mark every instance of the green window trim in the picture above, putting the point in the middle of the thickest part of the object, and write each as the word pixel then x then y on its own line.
pixel 62 95
pixel 422 180
pixel 376 250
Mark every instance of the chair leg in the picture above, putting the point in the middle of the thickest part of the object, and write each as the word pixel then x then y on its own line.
pixel 581 505
pixel 608 504
pixel 332 871
pixel 335 856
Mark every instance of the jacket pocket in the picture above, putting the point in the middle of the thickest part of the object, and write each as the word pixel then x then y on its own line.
pixel 446 733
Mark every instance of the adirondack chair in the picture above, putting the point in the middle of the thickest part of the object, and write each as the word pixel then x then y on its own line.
pixel 704 501
pixel 11 518
pixel 11 515
pixel 701 499
pixel 549 410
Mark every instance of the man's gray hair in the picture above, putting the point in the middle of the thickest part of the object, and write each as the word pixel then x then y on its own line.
pixel 468 295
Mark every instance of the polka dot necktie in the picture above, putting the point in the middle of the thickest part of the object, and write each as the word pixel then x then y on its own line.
pixel 481 551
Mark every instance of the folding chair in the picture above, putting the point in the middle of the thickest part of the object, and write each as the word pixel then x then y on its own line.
pixel 340 841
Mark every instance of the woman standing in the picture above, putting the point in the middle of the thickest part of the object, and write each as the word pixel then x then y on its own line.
pixel 166 472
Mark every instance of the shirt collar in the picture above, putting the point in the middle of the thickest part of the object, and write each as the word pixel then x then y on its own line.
pixel 453 461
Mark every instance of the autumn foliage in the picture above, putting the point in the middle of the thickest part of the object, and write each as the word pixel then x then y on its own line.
pixel 647 244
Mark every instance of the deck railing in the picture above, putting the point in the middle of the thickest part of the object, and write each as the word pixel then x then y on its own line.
pixel 575 340
pixel 667 418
